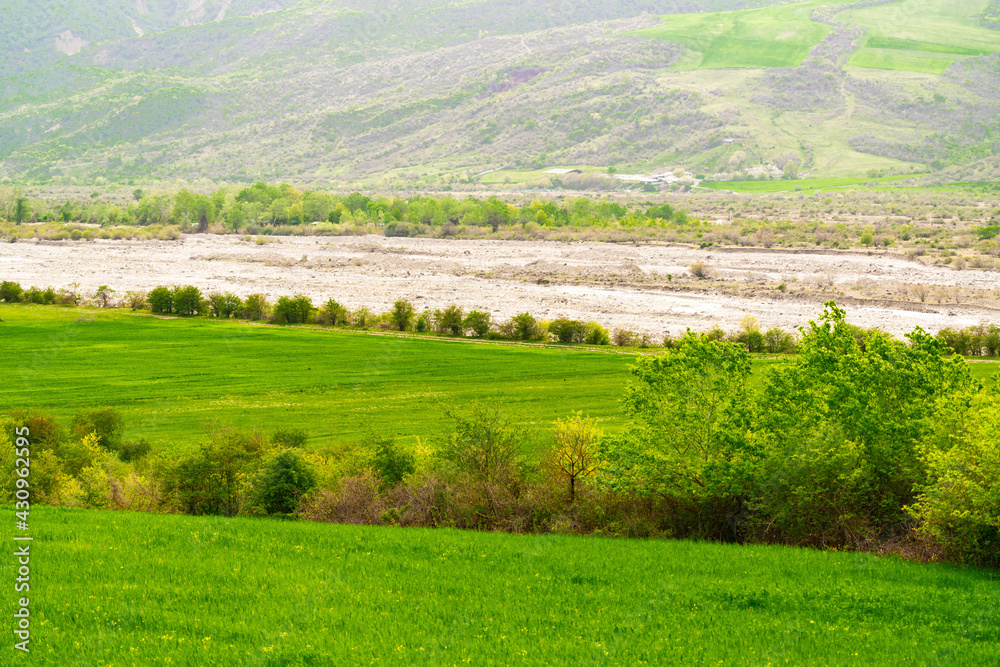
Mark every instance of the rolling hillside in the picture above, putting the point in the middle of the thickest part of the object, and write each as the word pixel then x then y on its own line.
pixel 426 93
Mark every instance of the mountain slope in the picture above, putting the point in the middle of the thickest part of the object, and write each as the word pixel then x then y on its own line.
pixel 429 92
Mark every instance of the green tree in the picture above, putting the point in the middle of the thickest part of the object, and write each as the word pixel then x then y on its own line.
pixel 402 314
pixel 22 210
pixel 161 300
pixel 256 307
pixel 841 427
pixel 293 310
pixel 452 321
pixel 224 305
pixel 187 300
pixel 686 444
pixel 568 331
pixel 332 313
pixel 479 322
pixel 103 296
pixel 193 209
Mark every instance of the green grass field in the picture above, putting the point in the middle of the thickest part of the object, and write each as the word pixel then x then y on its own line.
pixel 170 376
pixel 779 36
pixel 117 588
pixel 807 185
pixel 771 37
pixel 903 35
pixel 907 35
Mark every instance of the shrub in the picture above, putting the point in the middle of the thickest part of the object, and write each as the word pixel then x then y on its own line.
pixel 161 300
pixel 700 271
pixel 778 341
pixel 133 450
pixel 423 324
pixel 526 327
pixel 135 300
pixel 106 423
pixel 332 313
pixel 595 334
pixel 284 482
pixel 623 338
pixel 256 307
pixel 362 318
pixel 389 461
pixel 959 505
pixel 10 292
pixel 479 322
pixel 215 479
pixel 568 331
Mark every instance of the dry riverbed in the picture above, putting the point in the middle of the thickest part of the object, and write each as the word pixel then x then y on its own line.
pixel 644 288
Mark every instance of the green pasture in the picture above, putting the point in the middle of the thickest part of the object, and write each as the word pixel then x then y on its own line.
pixel 171 377
pixel 805 185
pixel 921 35
pixel 913 35
pixel 168 377
pixel 910 62
pixel 119 588
pixel 779 36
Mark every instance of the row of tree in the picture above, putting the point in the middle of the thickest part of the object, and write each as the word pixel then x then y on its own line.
pixel 188 300
pixel 882 446
pixel 263 206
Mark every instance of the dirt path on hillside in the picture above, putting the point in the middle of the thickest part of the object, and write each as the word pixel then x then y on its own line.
pixel 617 285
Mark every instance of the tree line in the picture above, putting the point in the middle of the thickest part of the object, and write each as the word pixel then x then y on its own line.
pixel 454 320
pixel 886 446
pixel 263 208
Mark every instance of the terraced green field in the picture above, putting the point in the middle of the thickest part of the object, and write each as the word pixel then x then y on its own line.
pixel 779 36
pixel 118 588
pixel 913 35
pixel 921 35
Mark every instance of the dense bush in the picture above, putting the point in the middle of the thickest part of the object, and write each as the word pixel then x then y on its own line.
pixel 10 292
pixel 187 300
pixel 293 310
pixel 479 322
pixel 161 300
pixel 284 483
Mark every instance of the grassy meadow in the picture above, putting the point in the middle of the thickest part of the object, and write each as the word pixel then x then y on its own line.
pixel 170 376
pixel 921 35
pixel 779 36
pixel 119 588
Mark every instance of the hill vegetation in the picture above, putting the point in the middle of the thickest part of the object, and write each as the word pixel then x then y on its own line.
pixel 432 94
